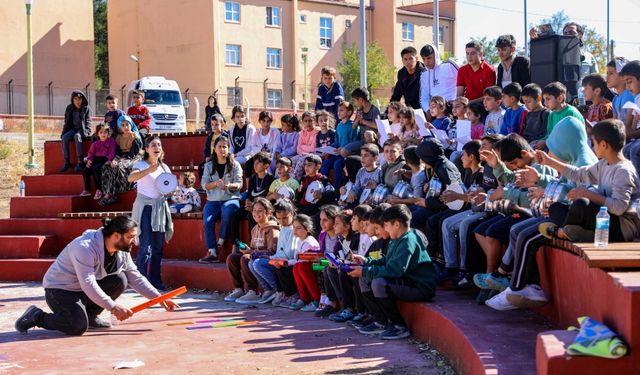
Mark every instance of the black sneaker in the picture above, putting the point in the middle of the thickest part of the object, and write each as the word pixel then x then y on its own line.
pixel 79 167
pixel 65 167
pixel 363 323
pixel 463 280
pixel 374 328
pixel 97 323
pixel 28 319
pixel 325 312
pixel 209 259
pixel 394 332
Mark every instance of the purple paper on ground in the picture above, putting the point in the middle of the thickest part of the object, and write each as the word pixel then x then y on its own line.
pixel 199 327
pixel 216 320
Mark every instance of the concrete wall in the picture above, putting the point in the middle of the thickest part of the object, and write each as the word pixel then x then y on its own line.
pixel 62 35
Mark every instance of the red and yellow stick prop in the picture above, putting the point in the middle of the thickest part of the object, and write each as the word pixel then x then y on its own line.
pixel 159 299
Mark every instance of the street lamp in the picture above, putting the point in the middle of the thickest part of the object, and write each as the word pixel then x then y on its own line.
pixel 137 61
pixel 32 163
pixel 304 61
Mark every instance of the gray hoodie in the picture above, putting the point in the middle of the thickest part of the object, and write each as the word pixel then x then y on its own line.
pixel 81 264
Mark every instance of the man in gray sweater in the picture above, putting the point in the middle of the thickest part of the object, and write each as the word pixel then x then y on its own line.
pixel 87 277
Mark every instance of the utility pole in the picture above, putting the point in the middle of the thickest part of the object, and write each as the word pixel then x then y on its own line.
pixel 363 46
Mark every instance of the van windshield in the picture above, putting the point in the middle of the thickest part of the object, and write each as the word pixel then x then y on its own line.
pixel 162 97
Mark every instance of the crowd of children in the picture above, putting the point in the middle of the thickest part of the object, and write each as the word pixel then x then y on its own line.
pixel 424 206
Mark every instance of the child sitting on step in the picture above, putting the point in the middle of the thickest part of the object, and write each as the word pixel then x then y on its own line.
pixel 185 198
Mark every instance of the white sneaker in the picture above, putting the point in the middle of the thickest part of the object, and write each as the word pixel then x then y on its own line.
pixel 250 298
pixel 531 296
pixel 499 301
pixel 187 208
pixel 233 296
pixel 267 296
pixel 277 300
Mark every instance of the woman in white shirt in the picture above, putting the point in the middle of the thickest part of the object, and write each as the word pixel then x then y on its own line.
pixel 151 211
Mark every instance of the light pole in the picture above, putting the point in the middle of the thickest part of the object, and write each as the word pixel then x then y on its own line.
pixel 137 61
pixel 304 62
pixel 363 46
pixel 32 163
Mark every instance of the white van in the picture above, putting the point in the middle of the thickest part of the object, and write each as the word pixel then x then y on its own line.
pixel 164 100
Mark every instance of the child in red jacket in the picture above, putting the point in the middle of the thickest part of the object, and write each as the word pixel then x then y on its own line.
pixel 140 113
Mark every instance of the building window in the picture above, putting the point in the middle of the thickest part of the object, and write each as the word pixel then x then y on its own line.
pixel 303 18
pixel 273 16
pixel 407 31
pixel 441 34
pixel 231 11
pixel 234 96
pixel 326 32
pixel 274 98
pixel 274 58
pixel 233 54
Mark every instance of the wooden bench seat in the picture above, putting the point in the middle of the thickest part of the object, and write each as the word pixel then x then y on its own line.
pixel 615 255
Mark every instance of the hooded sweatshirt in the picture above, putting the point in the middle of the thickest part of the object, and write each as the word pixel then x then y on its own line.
pixel 431 152
pixel 408 85
pixel 265 239
pixel 568 142
pixel 439 81
pixel 81 264
pixel 78 119
pixel 287 244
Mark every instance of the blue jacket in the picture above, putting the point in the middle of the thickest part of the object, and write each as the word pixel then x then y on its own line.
pixel 329 98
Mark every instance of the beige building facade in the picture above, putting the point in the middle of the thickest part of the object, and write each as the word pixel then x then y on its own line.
pixel 63 54
pixel 250 51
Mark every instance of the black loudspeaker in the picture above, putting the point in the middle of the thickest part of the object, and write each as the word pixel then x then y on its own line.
pixel 556 58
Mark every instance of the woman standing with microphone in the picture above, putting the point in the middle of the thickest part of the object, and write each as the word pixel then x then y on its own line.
pixel 151 211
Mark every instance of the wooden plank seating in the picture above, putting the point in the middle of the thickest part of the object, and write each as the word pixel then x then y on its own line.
pixel 615 255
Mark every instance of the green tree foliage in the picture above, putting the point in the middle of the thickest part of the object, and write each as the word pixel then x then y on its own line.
pixel 101 52
pixel 593 42
pixel 489 50
pixel 379 70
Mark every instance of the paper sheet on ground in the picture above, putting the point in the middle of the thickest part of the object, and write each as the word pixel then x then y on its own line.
pixel 128 364
pixel 421 120
pixel 463 133
pixel 383 130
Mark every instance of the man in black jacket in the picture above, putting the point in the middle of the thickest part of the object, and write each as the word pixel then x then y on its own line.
pixel 77 126
pixel 408 84
pixel 511 68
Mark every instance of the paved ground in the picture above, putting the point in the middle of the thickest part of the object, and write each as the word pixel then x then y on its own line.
pixel 282 342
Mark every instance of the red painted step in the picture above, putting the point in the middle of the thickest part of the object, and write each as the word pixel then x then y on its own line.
pixel 181 150
pixel 53 184
pixel 47 206
pixel 26 246
pixel 195 275
pixel 26 269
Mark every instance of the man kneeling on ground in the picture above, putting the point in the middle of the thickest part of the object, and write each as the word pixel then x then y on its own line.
pixel 87 277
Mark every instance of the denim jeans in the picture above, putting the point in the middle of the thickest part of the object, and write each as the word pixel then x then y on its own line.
pixel 212 210
pixel 632 152
pixel 458 223
pixel 66 138
pixel 335 162
pixel 71 310
pixel 150 250
pixel 264 273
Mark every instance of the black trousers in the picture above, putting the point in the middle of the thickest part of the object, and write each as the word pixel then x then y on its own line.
pixel 382 295
pixel 94 170
pixel 339 287
pixel 72 310
pixel 285 281
pixel 583 212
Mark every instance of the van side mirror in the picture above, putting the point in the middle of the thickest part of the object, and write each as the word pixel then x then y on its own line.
pixel 186 103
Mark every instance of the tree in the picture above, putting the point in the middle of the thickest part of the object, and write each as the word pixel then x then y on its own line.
pixel 489 50
pixel 593 42
pixel 101 52
pixel 379 70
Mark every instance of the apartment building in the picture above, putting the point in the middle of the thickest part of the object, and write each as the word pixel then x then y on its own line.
pixel 251 51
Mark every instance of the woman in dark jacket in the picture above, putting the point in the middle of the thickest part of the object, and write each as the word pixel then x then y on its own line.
pixel 210 110
pixel 77 127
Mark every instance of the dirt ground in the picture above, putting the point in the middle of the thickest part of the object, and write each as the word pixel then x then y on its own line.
pixel 13 157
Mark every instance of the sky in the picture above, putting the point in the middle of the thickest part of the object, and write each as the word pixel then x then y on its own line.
pixel 508 18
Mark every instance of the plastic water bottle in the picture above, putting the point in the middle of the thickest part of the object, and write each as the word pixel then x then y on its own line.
pixel 21 188
pixel 602 228
pixel 581 100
